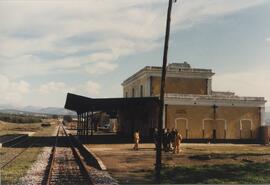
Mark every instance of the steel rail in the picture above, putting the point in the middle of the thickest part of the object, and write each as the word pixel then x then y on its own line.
pixel 80 162
pixel 49 178
pixel 79 159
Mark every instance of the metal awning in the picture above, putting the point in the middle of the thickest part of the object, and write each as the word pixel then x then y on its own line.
pixel 81 104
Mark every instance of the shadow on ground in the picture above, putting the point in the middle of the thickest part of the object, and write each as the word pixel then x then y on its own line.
pixel 242 173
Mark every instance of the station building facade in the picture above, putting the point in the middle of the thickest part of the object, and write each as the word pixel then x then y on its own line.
pixel 192 107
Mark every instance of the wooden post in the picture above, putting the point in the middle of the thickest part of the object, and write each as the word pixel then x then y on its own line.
pixel 79 125
pixel 78 119
pixel 84 124
pixel 162 87
pixel 215 123
pixel 87 125
pixel 92 122
pixel 80 129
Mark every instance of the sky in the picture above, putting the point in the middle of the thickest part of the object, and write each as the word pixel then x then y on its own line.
pixel 49 48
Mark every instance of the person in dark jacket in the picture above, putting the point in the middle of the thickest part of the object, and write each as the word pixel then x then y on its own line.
pixel 155 137
pixel 168 137
pixel 166 140
pixel 172 138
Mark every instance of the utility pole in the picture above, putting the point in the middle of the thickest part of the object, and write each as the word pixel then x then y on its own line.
pixel 162 86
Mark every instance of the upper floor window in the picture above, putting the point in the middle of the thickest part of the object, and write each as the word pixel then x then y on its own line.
pixel 141 91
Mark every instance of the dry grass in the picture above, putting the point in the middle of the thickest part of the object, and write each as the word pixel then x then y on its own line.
pixel 15 128
pixel 242 173
pixel 18 168
pixel 129 166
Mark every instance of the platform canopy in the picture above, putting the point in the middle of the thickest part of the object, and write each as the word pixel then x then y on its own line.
pixel 82 104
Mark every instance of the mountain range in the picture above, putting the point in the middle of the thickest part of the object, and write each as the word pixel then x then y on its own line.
pixel 34 109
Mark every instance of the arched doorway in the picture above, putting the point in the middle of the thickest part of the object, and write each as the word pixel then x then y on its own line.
pixel 221 128
pixel 245 128
pixel 181 124
pixel 209 125
pixel 207 128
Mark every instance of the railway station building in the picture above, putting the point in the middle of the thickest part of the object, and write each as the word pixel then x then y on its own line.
pixel 191 106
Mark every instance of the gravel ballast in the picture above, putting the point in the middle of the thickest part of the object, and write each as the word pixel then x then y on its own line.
pixel 36 173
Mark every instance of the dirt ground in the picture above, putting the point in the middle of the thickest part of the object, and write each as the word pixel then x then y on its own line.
pixel 129 166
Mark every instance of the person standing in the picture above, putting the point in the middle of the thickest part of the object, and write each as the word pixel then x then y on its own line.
pixel 172 138
pixel 136 140
pixel 165 140
pixel 155 137
pixel 177 142
pixel 168 137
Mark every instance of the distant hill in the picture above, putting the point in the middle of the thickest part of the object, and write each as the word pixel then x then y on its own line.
pixel 56 110
pixel 35 110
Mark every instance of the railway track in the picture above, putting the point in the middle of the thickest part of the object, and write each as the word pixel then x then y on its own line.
pixel 65 165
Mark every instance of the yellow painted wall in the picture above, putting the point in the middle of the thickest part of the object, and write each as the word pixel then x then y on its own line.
pixel 180 85
pixel 196 114
pixel 136 85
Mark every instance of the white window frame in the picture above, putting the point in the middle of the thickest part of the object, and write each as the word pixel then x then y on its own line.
pixel 210 119
pixel 185 119
pixel 251 123
pixel 176 119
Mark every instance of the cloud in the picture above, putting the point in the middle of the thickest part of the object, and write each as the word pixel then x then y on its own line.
pixel 267 39
pixel 101 68
pixel 53 87
pixel 54 93
pixel 189 13
pixel 12 91
pixel 249 83
pixel 88 88
pixel 87 38
pixel 62 37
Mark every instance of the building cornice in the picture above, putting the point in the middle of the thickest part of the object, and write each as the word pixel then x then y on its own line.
pixel 208 100
pixel 181 73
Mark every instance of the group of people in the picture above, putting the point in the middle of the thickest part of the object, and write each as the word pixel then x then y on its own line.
pixel 171 140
